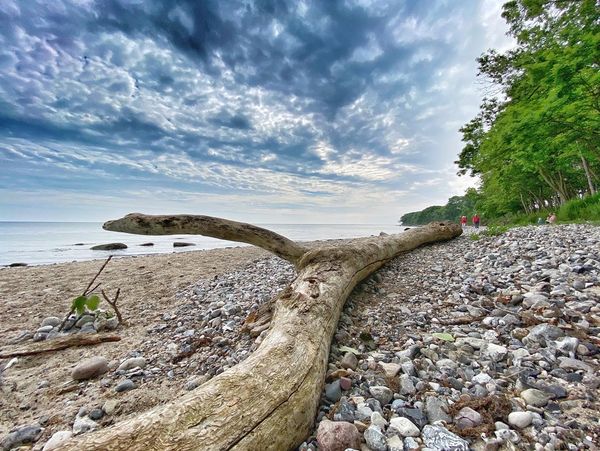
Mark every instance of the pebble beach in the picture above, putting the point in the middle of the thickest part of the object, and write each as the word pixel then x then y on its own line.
pixel 469 344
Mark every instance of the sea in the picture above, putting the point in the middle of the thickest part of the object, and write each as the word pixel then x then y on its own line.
pixel 41 243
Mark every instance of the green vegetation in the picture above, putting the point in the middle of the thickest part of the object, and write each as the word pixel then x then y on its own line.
pixel 452 211
pixel 535 143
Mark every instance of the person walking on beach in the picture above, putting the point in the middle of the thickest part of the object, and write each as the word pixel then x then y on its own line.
pixel 551 219
pixel 475 220
pixel 463 221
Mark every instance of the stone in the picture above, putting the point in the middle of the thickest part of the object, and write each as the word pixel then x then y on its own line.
pixel 57 440
pixel 349 361
pixel 345 383
pixel 96 414
pixel 567 363
pixel 520 419
pixel 40 336
pixel 109 247
pixel 437 409
pixel 44 329
pixel 381 393
pixel 344 411
pixel 535 397
pixel 126 385
pixel 83 424
pixel 406 385
pixel 378 420
pixel 375 439
pixel 390 369
pixel 481 378
pixel 196 381
pixel 110 406
pixel 467 418
pixel 395 443
pixel 410 444
pixel 440 438
pixel 415 415
pixel 542 334
pixel 363 413
pixel 85 319
pixel 182 244
pixel 88 328
pixel 447 366
pixel 337 436
pixel 133 362
pixel 21 436
pixel 495 352
pixel 90 368
pixel 405 427
pixel 51 321
pixel 333 391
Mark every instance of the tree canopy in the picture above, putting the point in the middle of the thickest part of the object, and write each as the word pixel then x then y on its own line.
pixel 536 143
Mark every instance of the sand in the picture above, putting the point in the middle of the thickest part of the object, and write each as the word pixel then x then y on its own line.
pixel 148 288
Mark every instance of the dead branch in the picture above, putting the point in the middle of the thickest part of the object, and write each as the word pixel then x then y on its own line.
pixel 58 344
pixel 113 304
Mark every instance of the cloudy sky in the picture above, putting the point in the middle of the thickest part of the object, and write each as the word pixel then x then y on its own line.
pixel 264 111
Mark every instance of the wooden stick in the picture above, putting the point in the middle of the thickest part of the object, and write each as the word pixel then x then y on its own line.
pixel 58 344
pixel 113 304
pixel 85 292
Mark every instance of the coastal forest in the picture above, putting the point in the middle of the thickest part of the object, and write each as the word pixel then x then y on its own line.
pixel 535 142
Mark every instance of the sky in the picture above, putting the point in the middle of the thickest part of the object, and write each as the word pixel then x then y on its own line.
pixel 258 111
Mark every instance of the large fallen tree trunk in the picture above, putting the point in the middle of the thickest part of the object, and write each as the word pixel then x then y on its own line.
pixel 268 401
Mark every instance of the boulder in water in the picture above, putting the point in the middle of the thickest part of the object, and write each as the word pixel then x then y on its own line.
pixel 109 247
pixel 182 244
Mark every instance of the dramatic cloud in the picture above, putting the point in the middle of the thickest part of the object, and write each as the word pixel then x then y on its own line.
pixel 269 111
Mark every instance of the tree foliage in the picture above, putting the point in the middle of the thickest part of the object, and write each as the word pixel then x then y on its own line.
pixel 536 144
pixel 452 211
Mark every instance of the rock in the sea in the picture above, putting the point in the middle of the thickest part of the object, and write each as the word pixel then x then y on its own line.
pixel 182 244
pixel 126 385
pixel 375 439
pixel 405 427
pixel 90 368
pixel 109 247
pixel 21 436
pixel 133 362
pixel 147 244
pixel 520 419
pixel 57 440
pixel 440 438
pixel 337 436
pixel 17 265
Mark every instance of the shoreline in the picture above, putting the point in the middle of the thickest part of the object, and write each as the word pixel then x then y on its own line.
pixel 171 300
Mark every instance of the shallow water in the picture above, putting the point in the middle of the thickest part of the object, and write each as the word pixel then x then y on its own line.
pixel 38 243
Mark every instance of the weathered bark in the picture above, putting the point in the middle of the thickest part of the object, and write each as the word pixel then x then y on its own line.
pixel 588 174
pixel 268 401
pixel 57 344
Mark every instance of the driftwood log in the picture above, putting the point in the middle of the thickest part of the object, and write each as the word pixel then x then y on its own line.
pixel 268 401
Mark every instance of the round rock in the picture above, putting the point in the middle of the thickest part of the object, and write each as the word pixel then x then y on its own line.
pixel 90 368
pixel 337 436
pixel 520 419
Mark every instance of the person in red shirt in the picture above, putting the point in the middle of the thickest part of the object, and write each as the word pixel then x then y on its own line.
pixel 476 220
pixel 463 221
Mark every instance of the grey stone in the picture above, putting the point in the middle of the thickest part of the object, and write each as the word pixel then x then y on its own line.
pixel 126 385
pixel 381 393
pixel 196 381
pixel 51 321
pixel 405 427
pixel 468 418
pixel 45 329
pixel 85 319
pixel 90 368
pixel 542 334
pixel 96 414
pixel 378 420
pixel 40 336
pixel 395 443
pixel 495 352
pixel 57 440
pixel 88 328
pixel 110 406
pixel 406 385
pixel 535 397
pixel 109 247
pixel 133 362
pixel 349 361
pixel 437 409
pixel 83 424
pixel 567 363
pixel 23 435
pixel 375 439
pixel 363 413
pixel 410 444
pixel 345 411
pixel 440 438
pixel 415 415
pixel 520 419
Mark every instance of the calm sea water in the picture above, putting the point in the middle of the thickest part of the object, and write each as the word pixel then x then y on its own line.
pixel 37 243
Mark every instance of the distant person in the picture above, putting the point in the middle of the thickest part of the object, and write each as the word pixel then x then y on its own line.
pixel 463 221
pixel 475 220
pixel 551 218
